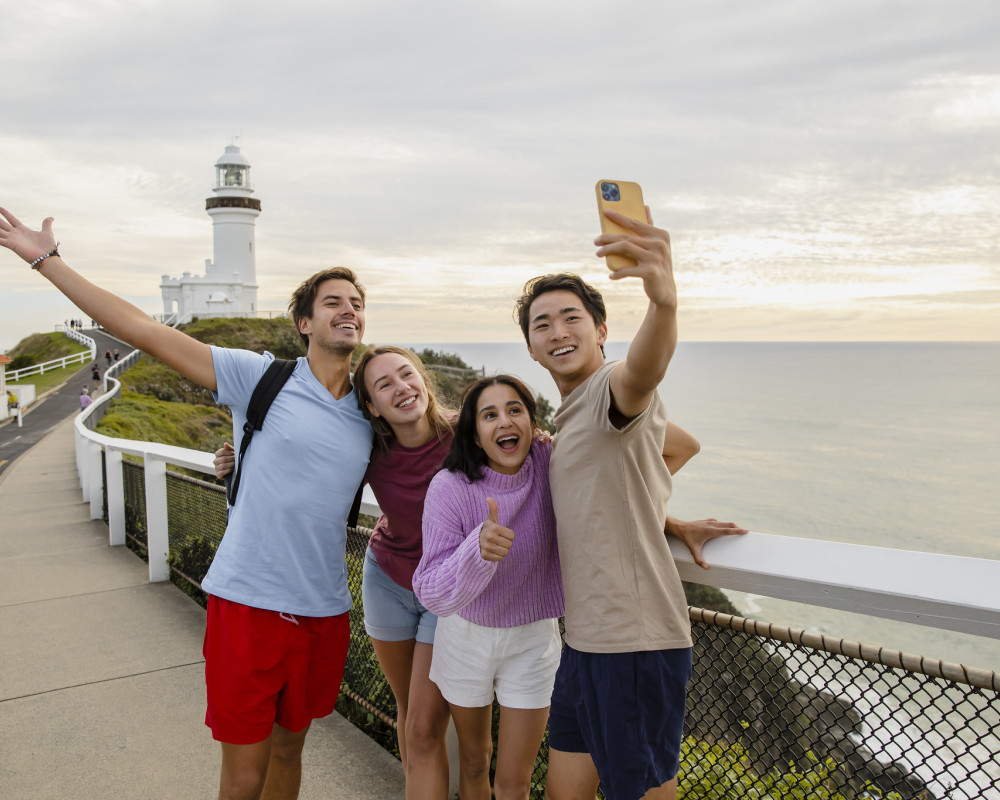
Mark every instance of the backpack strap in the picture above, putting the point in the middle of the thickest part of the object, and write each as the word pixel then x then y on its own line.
pixel 275 376
pixel 352 518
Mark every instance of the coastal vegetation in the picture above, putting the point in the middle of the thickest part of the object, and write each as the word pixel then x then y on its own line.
pixel 160 405
pixel 39 348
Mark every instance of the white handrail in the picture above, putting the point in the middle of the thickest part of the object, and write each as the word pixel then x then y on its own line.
pixel 58 363
pixel 941 591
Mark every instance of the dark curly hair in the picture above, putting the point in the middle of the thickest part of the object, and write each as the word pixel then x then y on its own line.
pixel 465 455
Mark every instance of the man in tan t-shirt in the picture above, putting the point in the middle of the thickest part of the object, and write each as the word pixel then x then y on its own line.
pixel 618 706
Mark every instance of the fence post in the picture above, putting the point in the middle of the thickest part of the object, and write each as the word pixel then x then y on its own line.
pixel 116 496
pixel 95 481
pixel 81 459
pixel 157 540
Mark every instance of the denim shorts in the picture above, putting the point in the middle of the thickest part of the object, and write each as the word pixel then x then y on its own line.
pixel 392 613
pixel 626 710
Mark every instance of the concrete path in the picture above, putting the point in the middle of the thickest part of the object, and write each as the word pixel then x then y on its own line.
pixel 101 673
pixel 53 406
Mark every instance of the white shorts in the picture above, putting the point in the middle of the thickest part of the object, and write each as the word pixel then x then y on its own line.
pixel 470 661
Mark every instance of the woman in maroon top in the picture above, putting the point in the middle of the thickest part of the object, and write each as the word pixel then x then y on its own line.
pixel 413 434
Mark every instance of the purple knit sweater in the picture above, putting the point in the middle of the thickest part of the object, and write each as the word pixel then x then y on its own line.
pixel 453 578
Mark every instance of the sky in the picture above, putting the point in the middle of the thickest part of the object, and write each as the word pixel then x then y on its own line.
pixel 827 171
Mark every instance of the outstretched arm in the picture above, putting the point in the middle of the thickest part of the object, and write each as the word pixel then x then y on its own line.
pixel 188 356
pixel 635 379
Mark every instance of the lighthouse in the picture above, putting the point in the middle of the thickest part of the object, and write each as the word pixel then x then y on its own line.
pixel 229 286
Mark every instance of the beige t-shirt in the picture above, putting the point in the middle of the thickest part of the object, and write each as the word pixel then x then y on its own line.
pixel 610 489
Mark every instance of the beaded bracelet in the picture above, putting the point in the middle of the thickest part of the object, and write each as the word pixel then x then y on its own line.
pixel 54 252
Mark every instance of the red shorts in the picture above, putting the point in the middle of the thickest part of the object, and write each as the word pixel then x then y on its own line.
pixel 263 667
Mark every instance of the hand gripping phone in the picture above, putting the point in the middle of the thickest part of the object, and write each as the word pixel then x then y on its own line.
pixel 625 198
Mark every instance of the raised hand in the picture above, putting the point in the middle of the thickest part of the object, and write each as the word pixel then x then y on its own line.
pixel 495 540
pixel 225 460
pixel 649 247
pixel 19 238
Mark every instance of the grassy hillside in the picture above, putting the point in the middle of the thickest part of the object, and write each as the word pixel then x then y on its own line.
pixel 147 419
pixel 41 347
pixel 160 405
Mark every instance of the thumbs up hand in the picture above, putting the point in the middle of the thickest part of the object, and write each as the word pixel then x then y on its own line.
pixel 494 539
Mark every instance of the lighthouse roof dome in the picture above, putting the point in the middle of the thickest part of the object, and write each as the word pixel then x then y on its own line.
pixel 232 156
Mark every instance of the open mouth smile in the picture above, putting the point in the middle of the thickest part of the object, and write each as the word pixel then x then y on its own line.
pixel 563 351
pixel 509 443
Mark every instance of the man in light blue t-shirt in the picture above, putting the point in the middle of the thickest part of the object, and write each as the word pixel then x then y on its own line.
pixel 277 633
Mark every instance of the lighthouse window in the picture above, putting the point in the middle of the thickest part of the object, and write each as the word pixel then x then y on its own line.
pixel 233 176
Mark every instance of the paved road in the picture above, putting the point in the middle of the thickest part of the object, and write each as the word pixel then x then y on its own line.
pixel 56 406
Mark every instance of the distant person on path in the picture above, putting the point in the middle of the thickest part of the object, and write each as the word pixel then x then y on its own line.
pixel 117 356
pixel 618 704
pixel 107 358
pixel 95 375
pixel 85 399
pixel 14 407
pixel 278 629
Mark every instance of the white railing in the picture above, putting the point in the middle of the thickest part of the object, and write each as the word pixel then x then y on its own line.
pixel 58 363
pixel 950 592
pixel 119 367
pixel 174 319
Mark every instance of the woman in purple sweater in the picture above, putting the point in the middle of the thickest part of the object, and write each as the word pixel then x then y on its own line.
pixel 490 571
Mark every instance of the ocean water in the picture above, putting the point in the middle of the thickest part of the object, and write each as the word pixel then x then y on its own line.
pixel 888 444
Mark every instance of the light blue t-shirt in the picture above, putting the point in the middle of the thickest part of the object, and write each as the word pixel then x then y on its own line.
pixel 284 547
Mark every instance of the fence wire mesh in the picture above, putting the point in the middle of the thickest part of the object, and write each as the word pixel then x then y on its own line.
pixel 771 713
pixel 134 487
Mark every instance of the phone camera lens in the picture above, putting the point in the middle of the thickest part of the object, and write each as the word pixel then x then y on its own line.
pixel 614 193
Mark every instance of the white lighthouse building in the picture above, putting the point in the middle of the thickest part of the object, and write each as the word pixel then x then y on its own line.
pixel 229 285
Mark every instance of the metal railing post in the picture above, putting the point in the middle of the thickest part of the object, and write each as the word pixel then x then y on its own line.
pixel 95 481
pixel 157 540
pixel 116 496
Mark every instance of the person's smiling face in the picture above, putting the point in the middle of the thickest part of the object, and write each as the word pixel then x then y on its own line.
pixel 503 428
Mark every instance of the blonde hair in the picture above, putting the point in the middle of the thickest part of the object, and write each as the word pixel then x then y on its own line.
pixel 440 416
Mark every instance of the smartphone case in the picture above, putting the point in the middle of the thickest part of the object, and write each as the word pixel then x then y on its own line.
pixel 630 204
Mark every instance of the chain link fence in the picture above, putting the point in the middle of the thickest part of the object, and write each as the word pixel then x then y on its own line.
pixel 772 712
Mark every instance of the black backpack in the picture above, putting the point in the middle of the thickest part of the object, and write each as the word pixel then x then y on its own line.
pixel 275 376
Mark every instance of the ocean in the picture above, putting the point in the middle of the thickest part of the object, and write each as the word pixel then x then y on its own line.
pixel 888 444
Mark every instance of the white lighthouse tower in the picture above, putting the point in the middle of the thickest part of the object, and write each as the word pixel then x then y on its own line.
pixel 229 285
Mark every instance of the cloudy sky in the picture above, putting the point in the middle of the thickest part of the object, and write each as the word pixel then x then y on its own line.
pixel 828 171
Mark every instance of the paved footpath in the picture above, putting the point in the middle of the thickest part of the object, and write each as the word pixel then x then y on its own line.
pixel 101 673
pixel 54 405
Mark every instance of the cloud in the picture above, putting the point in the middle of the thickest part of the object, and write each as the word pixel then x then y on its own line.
pixel 847 150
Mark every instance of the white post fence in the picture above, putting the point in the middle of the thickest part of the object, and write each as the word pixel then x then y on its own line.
pixel 83 357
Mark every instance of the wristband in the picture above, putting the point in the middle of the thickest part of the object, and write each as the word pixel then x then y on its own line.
pixel 53 252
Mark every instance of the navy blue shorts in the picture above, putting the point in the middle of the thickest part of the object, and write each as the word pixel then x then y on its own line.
pixel 626 710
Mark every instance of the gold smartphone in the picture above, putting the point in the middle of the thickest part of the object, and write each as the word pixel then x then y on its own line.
pixel 624 197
